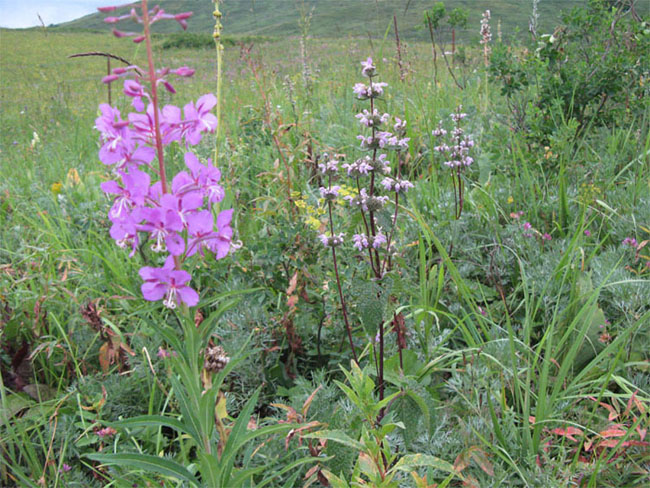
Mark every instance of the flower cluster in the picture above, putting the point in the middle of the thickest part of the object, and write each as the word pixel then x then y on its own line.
pixel 180 219
pixel 456 153
pixel 486 35
pixel 368 200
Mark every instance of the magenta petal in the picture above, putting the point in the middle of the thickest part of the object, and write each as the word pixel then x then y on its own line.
pixel 175 244
pixel 188 295
pixel 111 187
pixel 224 218
pixel 153 291
pixel 221 248
pixel 206 102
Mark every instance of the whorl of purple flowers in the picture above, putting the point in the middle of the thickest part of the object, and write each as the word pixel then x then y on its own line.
pixel 373 164
pixel 180 221
pixel 456 152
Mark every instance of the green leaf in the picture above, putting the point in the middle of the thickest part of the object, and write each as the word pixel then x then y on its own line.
pixel 336 436
pixel 150 421
pixel 407 463
pixel 150 464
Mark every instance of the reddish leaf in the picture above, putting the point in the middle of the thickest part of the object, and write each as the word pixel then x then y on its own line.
pixel 612 432
pixel 569 432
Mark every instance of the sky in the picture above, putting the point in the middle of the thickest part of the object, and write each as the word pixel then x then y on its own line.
pixel 24 13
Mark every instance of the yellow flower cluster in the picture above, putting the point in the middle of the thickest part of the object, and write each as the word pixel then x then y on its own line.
pixel 312 215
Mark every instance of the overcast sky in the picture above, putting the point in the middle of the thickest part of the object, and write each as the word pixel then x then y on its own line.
pixel 24 13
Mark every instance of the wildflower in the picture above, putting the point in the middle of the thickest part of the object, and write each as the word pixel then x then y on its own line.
pixel 330 193
pixel 398 186
pixel 105 432
pixel 587 233
pixel 511 200
pixel 329 167
pixel 360 241
pixel 163 353
pixel 630 241
pixel 66 468
pixel 331 241
pixel 379 240
pixel 373 119
pixel 167 283
pixel 368 68
pixel 546 237
pixel 56 188
pixel 527 226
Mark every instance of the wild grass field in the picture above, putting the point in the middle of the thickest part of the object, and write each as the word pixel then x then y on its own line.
pixel 503 340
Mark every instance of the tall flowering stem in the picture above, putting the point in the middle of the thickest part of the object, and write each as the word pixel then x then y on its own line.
pixel 216 34
pixel 486 37
pixel 455 150
pixel 176 216
pixel 154 97
pixel 366 172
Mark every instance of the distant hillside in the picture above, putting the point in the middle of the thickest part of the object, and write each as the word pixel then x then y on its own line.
pixel 345 18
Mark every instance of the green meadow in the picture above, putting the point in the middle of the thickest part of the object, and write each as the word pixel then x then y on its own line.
pixel 515 334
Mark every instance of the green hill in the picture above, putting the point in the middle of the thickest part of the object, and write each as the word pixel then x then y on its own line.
pixel 347 18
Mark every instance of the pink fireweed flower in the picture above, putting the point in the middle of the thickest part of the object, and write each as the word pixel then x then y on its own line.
pixel 131 194
pixel 203 235
pixel 167 283
pixel 183 71
pixel 125 230
pixel 198 118
pixel 163 227
pixel 136 91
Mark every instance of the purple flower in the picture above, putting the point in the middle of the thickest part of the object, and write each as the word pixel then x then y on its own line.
pixel 368 68
pixel 398 186
pixel 168 283
pixel 331 241
pixel 135 90
pixel 329 193
pixel 527 226
pixel 379 240
pixel 360 241
pixel 198 118
pixel 163 226
pixel 587 233
pixel 546 236
pixel 66 468
pixel 374 119
pixel 132 194
pixel 329 167
pixel 630 241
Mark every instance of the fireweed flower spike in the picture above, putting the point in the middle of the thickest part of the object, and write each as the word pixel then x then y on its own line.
pixel 180 221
